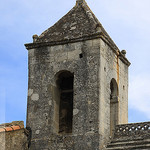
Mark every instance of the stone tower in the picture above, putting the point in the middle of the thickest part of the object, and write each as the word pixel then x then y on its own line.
pixel 78 84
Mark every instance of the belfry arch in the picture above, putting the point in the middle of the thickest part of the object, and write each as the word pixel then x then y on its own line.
pixel 113 105
pixel 64 104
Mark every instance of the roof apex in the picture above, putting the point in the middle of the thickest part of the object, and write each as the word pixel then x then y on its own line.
pixel 78 2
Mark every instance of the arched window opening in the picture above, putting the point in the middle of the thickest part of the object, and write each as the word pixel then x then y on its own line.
pixel 65 86
pixel 113 89
pixel 113 105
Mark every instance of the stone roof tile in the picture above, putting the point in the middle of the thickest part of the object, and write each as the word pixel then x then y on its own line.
pixel 77 23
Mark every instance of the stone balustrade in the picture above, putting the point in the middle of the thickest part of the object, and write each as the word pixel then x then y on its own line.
pixel 132 129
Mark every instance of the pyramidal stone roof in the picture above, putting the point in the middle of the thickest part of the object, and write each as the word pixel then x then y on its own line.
pixel 79 24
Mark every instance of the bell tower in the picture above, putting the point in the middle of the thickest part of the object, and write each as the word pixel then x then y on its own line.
pixel 78 84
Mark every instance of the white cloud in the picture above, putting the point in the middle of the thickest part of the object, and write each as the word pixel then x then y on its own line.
pixel 139 93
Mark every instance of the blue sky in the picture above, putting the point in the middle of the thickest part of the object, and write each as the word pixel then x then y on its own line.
pixel 126 21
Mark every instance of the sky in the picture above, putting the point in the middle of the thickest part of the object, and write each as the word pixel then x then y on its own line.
pixel 126 21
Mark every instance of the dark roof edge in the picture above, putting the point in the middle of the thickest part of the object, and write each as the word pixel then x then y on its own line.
pixel 88 37
pixel 65 41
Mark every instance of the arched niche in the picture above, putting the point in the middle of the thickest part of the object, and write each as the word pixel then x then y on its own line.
pixel 63 110
pixel 113 105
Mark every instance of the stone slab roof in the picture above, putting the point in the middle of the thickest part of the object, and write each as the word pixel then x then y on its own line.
pixel 79 24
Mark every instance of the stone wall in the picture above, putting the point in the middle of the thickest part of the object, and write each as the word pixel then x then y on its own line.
pixel 81 59
pixel 112 67
pixel 94 64
pixel 13 137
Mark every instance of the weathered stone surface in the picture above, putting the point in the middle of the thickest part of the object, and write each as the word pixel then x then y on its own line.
pixel 77 23
pixel 93 71
pixel 35 97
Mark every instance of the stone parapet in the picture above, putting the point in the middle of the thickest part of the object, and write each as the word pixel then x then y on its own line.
pixel 132 130
pixel 131 136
